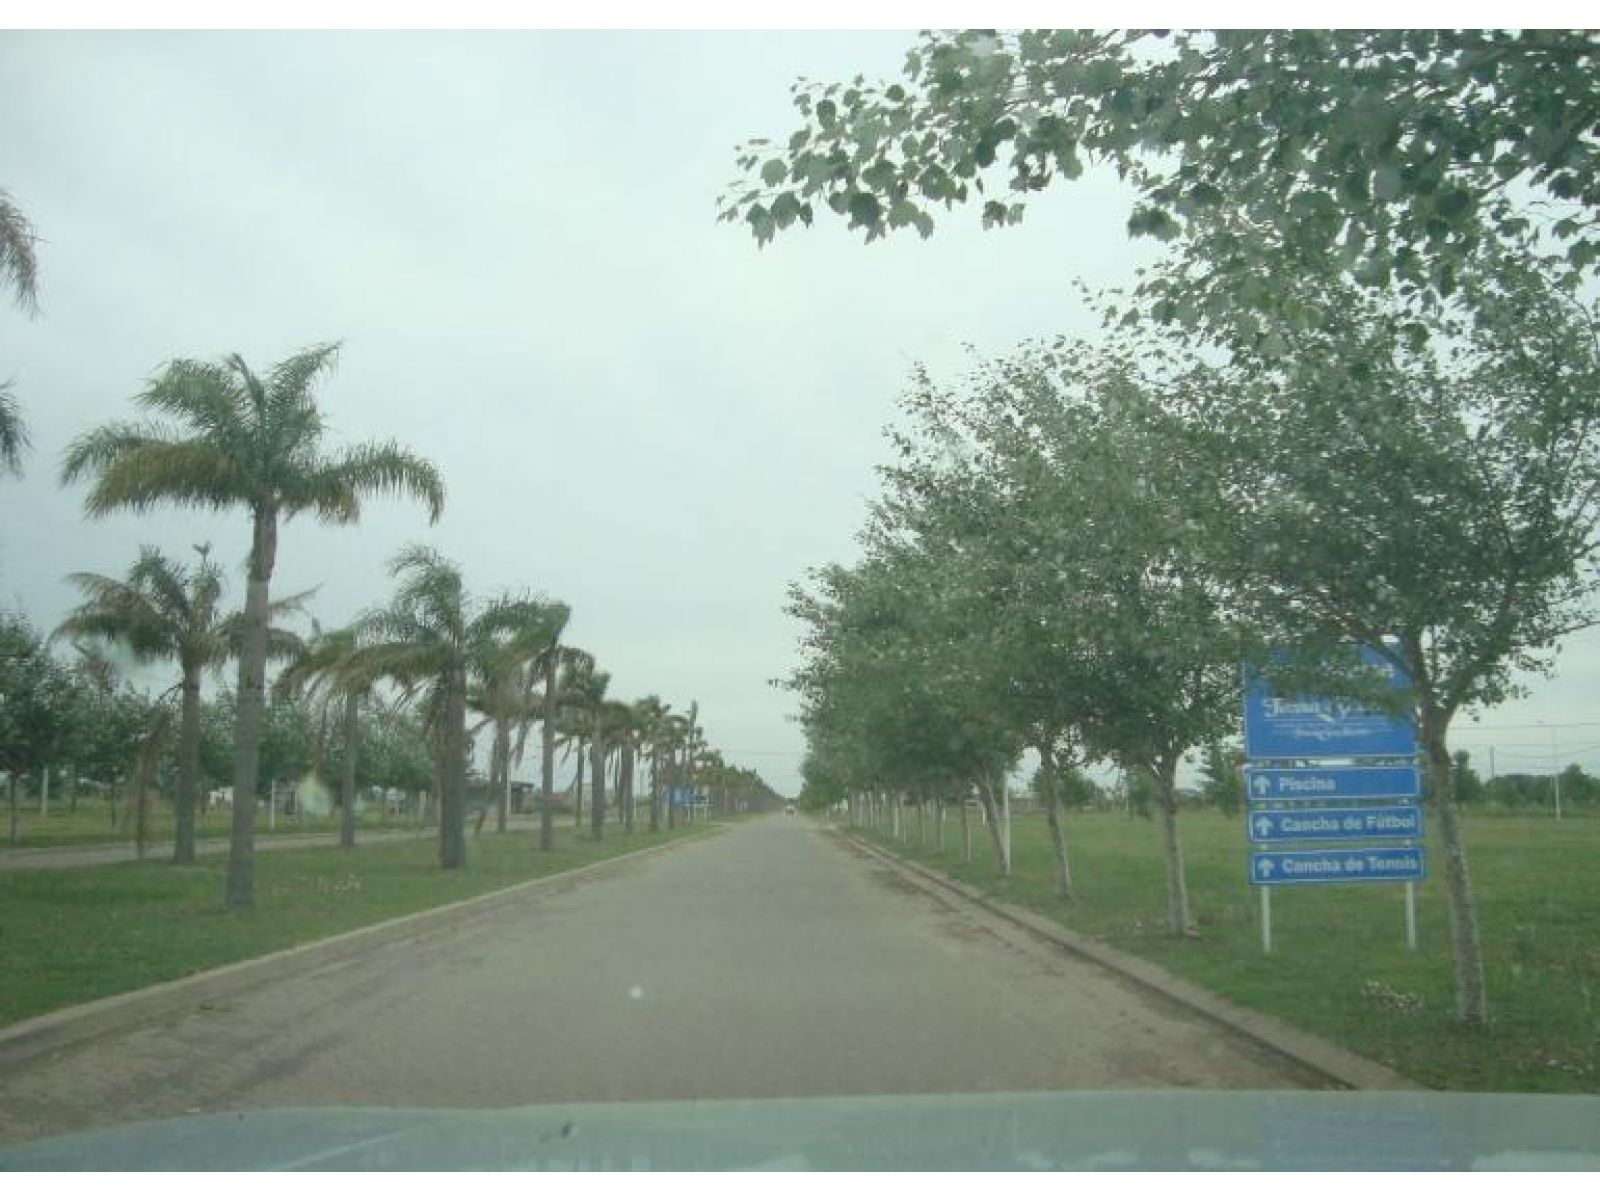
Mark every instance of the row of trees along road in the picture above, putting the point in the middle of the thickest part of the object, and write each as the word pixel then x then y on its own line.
pixel 1353 404
pixel 219 436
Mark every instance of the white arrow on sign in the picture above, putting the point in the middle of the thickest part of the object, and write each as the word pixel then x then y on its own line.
pixel 1260 785
pixel 1264 868
pixel 1263 826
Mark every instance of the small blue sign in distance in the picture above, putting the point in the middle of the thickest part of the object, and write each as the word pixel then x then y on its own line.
pixel 1365 864
pixel 1289 727
pixel 1334 824
pixel 1274 785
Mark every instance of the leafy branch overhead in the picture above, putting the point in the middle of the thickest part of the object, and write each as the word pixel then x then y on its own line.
pixel 1395 153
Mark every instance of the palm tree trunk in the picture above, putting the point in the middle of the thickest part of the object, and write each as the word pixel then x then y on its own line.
pixel 597 768
pixel 672 783
pixel 241 885
pixel 625 783
pixel 655 788
pixel 547 758
pixel 502 735
pixel 577 791
pixel 188 768
pixel 453 813
pixel 347 786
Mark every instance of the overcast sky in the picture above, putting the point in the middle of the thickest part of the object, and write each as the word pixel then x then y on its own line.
pixel 635 410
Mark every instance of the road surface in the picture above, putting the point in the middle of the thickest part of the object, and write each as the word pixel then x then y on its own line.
pixel 770 960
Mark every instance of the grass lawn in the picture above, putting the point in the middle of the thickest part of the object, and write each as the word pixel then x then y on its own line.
pixel 75 935
pixel 1339 966
pixel 91 825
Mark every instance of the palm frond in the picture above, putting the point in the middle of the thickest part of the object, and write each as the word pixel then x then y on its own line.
pixel 334 489
pixel 14 439
pixel 140 476
pixel 167 582
pixel 205 396
pixel 291 379
pixel 117 611
pixel 254 390
pixel 19 266
pixel 102 446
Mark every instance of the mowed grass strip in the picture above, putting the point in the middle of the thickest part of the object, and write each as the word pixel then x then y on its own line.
pixel 1340 967
pixel 91 825
pixel 75 935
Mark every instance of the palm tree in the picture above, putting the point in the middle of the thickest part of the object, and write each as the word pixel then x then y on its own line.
pixel 430 640
pixel 584 697
pixel 673 739
pixel 649 715
pixel 19 271
pixel 506 677
pixel 243 441
pixel 581 692
pixel 547 669
pixel 163 610
pixel 610 720
pixel 323 665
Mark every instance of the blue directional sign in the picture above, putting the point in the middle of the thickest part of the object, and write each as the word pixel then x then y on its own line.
pixel 1334 824
pixel 1368 864
pixel 1275 785
pixel 1287 727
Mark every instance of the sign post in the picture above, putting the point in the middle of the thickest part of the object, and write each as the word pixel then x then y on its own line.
pixel 1411 915
pixel 1322 771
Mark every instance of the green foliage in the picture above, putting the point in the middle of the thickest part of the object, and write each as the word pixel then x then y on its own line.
pixel 1221 786
pixel 37 707
pixel 1397 153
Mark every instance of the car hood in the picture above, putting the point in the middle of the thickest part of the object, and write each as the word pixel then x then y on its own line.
pixel 1189 1130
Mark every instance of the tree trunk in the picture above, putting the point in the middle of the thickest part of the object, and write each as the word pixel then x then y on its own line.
pixel 187 798
pixel 547 758
pixel 251 701
pixel 1179 922
pixel 1052 808
pixel 625 783
pixel 11 806
pixel 453 807
pixel 672 783
pixel 966 830
pixel 655 789
pixel 502 736
pixel 938 824
pixel 142 799
pixel 1472 1000
pixel 597 806
pixel 347 786
pixel 577 791
pixel 992 819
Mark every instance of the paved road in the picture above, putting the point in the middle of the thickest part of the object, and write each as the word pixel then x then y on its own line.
pixel 770 960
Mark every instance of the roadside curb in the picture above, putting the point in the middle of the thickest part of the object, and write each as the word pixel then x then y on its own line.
pixel 1339 1065
pixel 34 1036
